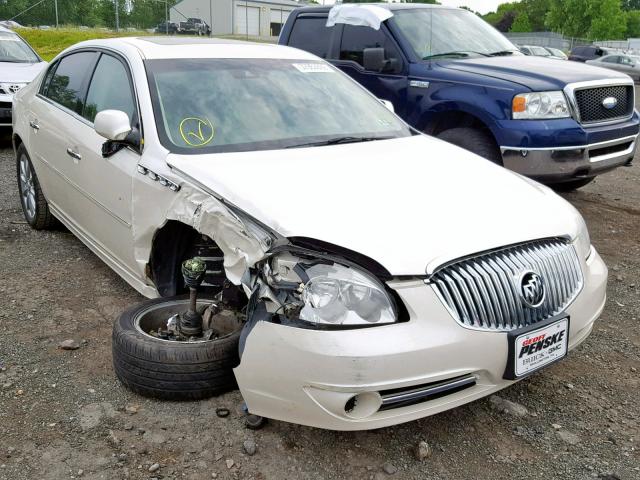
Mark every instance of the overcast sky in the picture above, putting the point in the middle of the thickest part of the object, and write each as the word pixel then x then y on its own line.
pixel 482 6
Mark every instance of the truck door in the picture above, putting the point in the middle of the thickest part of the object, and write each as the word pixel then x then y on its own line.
pixel 388 82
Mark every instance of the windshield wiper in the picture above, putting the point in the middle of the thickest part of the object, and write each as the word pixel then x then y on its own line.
pixel 337 141
pixel 461 54
pixel 502 53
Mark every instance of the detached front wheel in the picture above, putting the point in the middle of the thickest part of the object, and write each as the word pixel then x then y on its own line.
pixel 170 369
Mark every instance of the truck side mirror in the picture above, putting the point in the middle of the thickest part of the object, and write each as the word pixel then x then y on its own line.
pixel 373 59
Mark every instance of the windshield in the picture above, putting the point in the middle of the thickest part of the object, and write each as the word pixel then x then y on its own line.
pixel 444 32
pixel 541 52
pixel 14 49
pixel 229 105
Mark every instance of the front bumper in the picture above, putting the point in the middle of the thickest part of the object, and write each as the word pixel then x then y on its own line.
pixel 558 164
pixel 308 376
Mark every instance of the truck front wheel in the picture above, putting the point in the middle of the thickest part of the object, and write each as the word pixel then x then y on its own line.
pixel 475 140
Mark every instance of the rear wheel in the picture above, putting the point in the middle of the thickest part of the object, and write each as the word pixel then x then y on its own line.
pixel 34 206
pixel 170 369
pixel 572 185
pixel 475 140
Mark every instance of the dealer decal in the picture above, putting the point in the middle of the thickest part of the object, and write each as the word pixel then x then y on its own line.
pixel 313 67
pixel 540 347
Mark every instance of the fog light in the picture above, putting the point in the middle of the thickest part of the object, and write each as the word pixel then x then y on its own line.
pixel 362 405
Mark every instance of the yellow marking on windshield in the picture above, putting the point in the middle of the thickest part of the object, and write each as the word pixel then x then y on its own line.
pixel 196 132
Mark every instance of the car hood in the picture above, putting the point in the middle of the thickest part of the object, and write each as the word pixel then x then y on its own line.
pixel 411 204
pixel 19 72
pixel 536 73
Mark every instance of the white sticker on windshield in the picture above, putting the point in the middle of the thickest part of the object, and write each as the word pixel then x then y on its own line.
pixel 313 67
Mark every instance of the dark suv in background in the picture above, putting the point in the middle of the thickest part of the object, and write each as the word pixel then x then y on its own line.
pixel 590 52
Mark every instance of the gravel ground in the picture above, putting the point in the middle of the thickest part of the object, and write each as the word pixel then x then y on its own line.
pixel 63 414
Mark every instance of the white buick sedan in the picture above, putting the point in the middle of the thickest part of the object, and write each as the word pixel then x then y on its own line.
pixel 351 273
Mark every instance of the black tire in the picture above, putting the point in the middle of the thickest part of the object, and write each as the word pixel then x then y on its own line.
pixel 34 206
pixel 171 370
pixel 571 185
pixel 475 140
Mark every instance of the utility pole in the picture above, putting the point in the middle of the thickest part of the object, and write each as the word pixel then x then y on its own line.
pixel 117 19
pixel 56 4
pixel 166 18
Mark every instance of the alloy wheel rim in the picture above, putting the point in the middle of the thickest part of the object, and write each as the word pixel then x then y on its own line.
pixel 27 188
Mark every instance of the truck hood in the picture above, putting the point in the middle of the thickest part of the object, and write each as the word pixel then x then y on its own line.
pixel 536 73
pixel 411 204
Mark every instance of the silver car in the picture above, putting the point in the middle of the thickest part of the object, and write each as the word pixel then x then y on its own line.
pixel 19 64
pixel 620 62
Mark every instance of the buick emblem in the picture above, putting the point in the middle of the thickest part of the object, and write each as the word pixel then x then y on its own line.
pixel 531 289
pixel 610 102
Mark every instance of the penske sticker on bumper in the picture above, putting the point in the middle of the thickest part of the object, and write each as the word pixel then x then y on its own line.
pixel 540 347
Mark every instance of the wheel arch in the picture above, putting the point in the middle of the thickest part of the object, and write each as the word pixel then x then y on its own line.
pixel 173 243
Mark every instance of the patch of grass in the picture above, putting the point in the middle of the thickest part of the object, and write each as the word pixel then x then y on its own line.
pixel 48 43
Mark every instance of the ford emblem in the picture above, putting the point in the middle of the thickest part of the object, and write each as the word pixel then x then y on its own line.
pixel 610 102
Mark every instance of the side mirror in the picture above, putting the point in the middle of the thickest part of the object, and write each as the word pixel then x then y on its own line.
pixel 388 105
pixel 373 59
pixel 113 125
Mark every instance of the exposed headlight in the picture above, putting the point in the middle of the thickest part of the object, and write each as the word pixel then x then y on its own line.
pixel 325 293
pixel 339 295
pixel 540 106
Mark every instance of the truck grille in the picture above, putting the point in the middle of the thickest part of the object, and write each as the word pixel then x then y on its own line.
pixel 485 291
pixel 591 109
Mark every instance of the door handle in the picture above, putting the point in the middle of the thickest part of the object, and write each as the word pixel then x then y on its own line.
pixel 33 124
pixel 73 154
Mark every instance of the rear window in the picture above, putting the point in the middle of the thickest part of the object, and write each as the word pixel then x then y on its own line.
pixel 311 34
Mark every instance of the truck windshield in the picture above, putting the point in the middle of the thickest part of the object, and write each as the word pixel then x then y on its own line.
pixel 13 49
pixel 230 105
pixel 443 32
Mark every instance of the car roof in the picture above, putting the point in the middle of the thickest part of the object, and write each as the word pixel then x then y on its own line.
pixel 163 47
pixel 6 30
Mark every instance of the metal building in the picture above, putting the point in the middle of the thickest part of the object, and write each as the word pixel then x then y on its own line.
pixel 258 18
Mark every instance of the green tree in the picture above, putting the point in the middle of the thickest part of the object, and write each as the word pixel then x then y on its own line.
pixel 609 22
pixel 570 17
pixel 633 24
pixel 631 4
pixel 521 23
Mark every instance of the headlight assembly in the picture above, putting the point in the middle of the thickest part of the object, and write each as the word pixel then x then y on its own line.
pixel 540 106
pixel 324 293
pixel 339 295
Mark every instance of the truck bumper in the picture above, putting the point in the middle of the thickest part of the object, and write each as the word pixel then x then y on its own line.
pixel 558 164
pixel 311 377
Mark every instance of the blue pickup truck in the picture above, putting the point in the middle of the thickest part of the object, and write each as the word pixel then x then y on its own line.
pixel 451 75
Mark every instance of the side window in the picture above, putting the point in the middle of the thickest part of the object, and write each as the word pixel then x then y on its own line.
pixel 110 89
pixel 311 34
pixel 356 38
pixel 612 59
pixel 47 79
pixel 69 81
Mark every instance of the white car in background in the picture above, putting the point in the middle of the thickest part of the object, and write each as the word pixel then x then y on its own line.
pixel 361 274
pixel 19 64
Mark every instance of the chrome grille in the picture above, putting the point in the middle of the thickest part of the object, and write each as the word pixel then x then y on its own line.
pixel 484 291
pixel 591 109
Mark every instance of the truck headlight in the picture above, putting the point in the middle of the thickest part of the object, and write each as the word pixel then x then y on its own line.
pixel 540 106
pixel 339 295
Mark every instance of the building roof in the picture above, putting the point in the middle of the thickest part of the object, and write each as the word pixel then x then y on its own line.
pixel 194 47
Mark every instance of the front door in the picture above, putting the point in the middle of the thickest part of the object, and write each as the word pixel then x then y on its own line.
pixel 388 84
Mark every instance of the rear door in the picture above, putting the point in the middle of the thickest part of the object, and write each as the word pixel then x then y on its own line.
pixel 390 83
pixel 54 113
